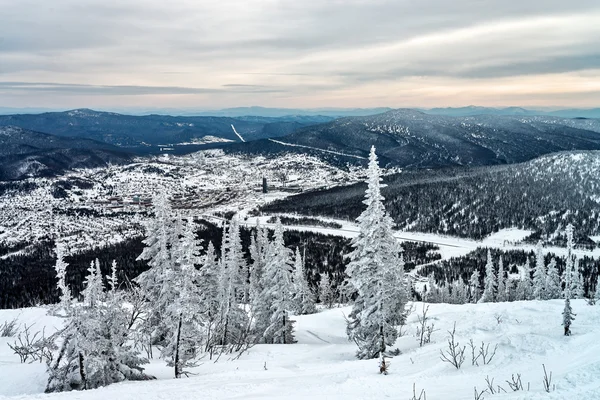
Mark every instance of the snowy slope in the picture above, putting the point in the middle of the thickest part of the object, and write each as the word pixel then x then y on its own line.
pixel 322 364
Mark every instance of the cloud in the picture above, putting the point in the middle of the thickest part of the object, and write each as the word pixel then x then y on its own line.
pixel 241 52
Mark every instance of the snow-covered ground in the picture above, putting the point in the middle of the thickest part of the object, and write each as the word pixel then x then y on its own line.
pixel 322 364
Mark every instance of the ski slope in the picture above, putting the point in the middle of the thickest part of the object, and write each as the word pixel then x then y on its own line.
pixel 322 364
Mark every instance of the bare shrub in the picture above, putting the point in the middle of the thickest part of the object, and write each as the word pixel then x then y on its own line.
pixel 455 354
pixel 8 328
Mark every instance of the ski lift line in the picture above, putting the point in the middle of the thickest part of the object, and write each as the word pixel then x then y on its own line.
pixel 317 149
pixel 238 135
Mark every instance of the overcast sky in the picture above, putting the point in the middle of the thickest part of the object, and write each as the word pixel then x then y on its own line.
pixel 299 53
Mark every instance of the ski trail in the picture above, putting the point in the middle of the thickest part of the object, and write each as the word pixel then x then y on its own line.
pixel 317 149
pixel 238 135
pixel 317 337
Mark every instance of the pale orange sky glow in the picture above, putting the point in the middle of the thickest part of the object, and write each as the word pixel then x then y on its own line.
pixel 309 54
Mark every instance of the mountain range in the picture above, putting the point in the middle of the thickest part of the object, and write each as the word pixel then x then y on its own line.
pixel 144 134
pixel 25 153
pixel 412 139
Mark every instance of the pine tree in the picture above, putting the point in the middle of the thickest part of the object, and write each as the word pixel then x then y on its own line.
pixel 94 350
pixel 577 291
pixel 597 290
pixel 433 293
pixel 474 286
pixel 539 275
pixel 234 322
pixel 501 287
pixel 553 290
pixel 489 281
pixel 61 274
pixel 277 292
pixel 304 302
pixel 524 290
pixel 374 258
pixel 94 288
pixel 326 295
pixel 568 316
pixel 210 298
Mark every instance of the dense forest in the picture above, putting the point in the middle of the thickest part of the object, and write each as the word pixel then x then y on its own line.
pixel 27 275
pixel 542 195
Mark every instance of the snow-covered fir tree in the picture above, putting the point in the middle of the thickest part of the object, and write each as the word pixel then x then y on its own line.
pixel 596 296
pixel 326 295
pixel 94 348
pixel 304 299
pixel 234 323
pixel 568 315
pixel 183 317
pixel 60 267
pixel 539 275
pixel 208 286
pixel 259 246
pixel 501 286
pixel 524 290
pixel 489 281
pixel 276 296
pixel 94 287
pixel 553 289
pixel 474 286
pixel 578 290
pixel 378 306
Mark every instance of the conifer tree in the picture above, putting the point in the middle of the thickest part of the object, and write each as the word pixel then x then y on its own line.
pixel 304 302
pixel 375 257
pixel 277 292
pixel 474 286
pixel 539 275
pixel 553 290
pixel 61 274
pixel 326 295
pixel 524 290
pixel 501 287
pixel 489 281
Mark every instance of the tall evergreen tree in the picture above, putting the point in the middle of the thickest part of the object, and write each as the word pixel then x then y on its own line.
pixel 539 275
pixel 304 302
pixel 375 257
pixel 489 281
pixel 474 286
pixel 277 292
pixel 61 274
pixel 553 290
pixel 524 290
pixel 501 287
pixel 326 295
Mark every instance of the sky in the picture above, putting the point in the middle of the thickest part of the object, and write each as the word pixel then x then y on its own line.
pixel 208 54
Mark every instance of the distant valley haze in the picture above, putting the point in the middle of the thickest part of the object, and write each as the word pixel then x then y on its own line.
pixel 194 57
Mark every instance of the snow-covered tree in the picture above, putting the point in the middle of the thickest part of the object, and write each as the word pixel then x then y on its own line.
pixel 524 290
pixel 553 289
pixel 568 316
pixel 489 281
pixel 61 274
pixel 259 245
pixel 234 322
pixel 94 288
pixel 304 301
pixel 433 293
pixel 277 292
pixel 378 305
pixel 94 351
pixel 578 285
pixel 326 295
pixel 539 275
pixel 596 297
pixel 501 286
pixel 474 286
pixel 113 281
pixel 183 317
pixel 570 278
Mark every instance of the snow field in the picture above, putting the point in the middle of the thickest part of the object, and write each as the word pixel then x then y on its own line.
pixel 322 364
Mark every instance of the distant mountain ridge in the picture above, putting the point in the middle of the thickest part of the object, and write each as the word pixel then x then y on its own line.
pixel 413 139
pixel 25 153
pixel 142 132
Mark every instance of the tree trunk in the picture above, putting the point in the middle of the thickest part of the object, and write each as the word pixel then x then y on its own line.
pixel 82 371
pixel 177 366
